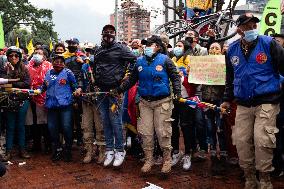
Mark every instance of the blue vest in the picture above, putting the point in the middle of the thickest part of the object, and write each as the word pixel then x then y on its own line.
pixel 255 76
pixel 59 92
pixel 153 78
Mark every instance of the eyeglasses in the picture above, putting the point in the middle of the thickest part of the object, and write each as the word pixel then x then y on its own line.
pixel 13 55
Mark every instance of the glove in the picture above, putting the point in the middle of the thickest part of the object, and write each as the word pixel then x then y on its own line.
pixel 177 97
pixel 114 92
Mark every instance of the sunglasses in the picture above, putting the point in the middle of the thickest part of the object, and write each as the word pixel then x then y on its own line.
pixel 13 55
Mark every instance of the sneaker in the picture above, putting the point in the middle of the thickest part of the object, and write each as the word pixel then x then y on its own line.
pixel 276 173
pixel 176 158
pixel 186 162
pixel 119 158
pixel 109 158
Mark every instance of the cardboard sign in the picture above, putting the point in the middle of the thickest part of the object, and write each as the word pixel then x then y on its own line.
pixel 207 70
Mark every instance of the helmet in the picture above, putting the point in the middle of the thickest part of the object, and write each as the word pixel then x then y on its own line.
pixel 14 49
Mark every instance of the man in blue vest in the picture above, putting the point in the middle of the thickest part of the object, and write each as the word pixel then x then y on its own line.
pixel 253 65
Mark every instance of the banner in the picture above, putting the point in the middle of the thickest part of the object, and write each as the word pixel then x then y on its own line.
pixel 2 42
pixel 271 18
pixel 207 70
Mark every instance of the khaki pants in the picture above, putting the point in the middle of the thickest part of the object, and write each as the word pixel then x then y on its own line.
pixel 254 136
pixel 155 116
pixel 89 117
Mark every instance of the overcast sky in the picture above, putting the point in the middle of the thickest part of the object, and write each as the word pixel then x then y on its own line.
pixel 84 19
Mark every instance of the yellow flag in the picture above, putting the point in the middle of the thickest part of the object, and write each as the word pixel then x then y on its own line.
pixel 30 47
pixel 50 46
pixel 17 43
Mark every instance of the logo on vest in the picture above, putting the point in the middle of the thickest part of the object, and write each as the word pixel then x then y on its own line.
pixel 159 68
pixel 261 58
pixel 235 60
pixel 140 68
pixel 62 81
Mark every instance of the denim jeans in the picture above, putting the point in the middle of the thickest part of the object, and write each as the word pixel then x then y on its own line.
pixel 112 121
pixel 200 128
pixel 60 119
pixel 16 120
pixel 215 128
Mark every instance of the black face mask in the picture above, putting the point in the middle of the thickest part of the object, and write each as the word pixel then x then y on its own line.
pixel 108 38
pixel 189 39
pixel 72 49
pixel 59 52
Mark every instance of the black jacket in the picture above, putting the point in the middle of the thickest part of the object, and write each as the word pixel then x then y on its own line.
pixel 277 55
pixel 171 71
pixel 110 65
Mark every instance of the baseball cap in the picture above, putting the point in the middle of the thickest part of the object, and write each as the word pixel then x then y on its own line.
pixel 109 26
pixel 72 40
pixel 245 18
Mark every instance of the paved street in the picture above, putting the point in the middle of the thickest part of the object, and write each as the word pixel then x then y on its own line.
pixel 39 172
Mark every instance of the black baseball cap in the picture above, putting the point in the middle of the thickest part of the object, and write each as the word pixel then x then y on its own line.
pixel 153 39
pixel 72 40
pixel 245 18
pixel 109 26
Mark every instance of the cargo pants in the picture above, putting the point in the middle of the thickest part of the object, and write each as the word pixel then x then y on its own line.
pixel 155 116
pixel 254 136
pixel 89 117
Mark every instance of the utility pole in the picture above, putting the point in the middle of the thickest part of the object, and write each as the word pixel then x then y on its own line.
pixel 116 19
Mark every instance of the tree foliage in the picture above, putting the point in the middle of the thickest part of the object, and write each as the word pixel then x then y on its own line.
pixel 22 14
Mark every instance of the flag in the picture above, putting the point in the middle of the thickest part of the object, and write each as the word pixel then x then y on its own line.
pixel 271 18
pixel 50 46
pixel 30 47
pixel 2 42
pixel 17 42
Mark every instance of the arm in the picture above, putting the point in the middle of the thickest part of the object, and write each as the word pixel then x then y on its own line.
pixel 25 81
pixel 174 76
pixel 72 80
pixel 277 55
pixel 130 81
pixel 229 86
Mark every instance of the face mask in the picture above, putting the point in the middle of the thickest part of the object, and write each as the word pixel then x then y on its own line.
pixel 136 52
pixel 58 52
pixel 189 39
pixel 149 51
pixel 37 59
pixel 72 49
pixel 250 35
pixel 178 51
pixel 108 38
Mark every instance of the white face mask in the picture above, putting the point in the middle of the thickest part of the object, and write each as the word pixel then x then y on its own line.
pixel 37 59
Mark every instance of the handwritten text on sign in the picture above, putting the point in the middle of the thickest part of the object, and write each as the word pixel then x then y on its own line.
pixel 207 70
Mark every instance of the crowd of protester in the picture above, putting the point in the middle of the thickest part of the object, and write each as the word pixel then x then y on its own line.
pixel 119 98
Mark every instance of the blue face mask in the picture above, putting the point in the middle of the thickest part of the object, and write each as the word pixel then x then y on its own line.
pixel 250 35
pixel 178 51
pixel 149 51
pixel 37 58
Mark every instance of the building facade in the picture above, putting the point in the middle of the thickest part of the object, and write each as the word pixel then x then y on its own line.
pixel 133 22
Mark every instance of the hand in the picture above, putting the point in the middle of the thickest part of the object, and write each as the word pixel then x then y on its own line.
pixel 210 32
pixel 37 91
pixel 78 92
pixel 9 67
pixel 114 92
pixel 225 106
pixel 79 59
pixel 177 97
